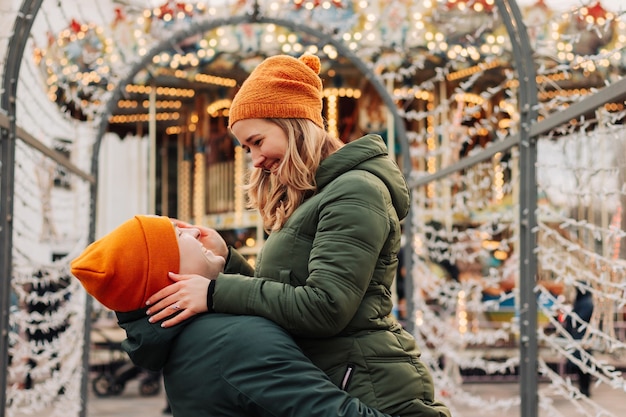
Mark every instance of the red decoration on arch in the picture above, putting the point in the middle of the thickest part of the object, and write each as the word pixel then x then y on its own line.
pixel 75 26
pixel 596 11
pixel 172 8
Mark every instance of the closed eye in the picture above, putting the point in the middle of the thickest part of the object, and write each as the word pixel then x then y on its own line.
pixel 252 140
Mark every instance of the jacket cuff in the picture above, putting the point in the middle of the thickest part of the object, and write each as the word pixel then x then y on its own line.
pixel 237 264
pixel 209 296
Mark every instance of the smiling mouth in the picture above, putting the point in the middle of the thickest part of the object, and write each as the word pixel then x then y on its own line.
pixel 271 168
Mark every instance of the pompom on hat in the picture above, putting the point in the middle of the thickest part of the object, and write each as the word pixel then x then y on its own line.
pixel 124 268
pixel 281 87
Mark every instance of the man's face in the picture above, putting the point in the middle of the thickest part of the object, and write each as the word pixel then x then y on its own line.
pixel 195 258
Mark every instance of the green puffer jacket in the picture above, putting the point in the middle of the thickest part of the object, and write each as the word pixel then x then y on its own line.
pixel 218 365
pixel 326 277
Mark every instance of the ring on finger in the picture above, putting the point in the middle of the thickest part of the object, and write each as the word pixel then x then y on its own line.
pixel 175 307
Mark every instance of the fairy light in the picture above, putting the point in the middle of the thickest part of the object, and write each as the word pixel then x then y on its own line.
pixel 464 73
pixel 198 187
pixel 160 104
pixel 142 117
pixel 498 178
pixel 431 163
pixel 331 115
pixel 342 92
pixel 184 189
pixel 213 108
pixel 174 130
pixel 160 91
pixel 615 225
pixel 212 79
pixel 240 169
pixel 461 314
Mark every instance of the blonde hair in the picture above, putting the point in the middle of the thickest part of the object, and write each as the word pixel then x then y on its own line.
pixel 278 196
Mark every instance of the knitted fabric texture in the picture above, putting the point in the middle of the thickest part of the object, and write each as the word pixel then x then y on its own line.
pixel 281 87
pixel 124 268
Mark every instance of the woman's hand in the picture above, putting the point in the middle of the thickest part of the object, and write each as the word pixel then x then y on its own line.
pixel 209 238
pixel 187 296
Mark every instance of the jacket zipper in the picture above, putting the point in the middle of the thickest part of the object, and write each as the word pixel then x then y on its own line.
pixel 347 376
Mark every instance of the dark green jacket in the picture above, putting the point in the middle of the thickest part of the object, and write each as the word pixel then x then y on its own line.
pixel 218 365
pixel 326 277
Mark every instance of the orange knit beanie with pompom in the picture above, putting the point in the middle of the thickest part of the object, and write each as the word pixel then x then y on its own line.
pixel 281 87
pixel 124 268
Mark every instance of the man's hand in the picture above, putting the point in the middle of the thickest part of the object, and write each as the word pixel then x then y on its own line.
pixel 209 238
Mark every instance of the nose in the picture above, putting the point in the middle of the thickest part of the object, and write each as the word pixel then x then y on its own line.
pixel 257 159
pixel 193 231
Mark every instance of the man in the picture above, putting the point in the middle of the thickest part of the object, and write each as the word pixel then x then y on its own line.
pixel 214 364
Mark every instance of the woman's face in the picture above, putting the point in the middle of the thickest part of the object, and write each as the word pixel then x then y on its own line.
pixel 265 141
pixel 195 258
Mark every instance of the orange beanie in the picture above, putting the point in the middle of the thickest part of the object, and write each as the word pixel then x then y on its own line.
pixel 281 87
pixel 124 268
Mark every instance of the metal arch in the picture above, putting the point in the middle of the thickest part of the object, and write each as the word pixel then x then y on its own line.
pixel 254 18
pixel 526 139
pixel 525 65
pixel 15 51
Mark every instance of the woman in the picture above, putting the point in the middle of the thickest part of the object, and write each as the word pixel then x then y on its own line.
pixel 333 215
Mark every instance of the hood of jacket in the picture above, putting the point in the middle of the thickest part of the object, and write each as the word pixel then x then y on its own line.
pixel 370 154
pixel 147 344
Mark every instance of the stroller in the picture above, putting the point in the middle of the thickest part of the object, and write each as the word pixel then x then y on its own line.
pixel 113 369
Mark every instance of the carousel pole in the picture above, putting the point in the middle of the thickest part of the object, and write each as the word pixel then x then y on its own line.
pixel 152 151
